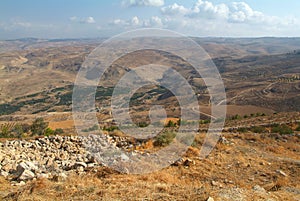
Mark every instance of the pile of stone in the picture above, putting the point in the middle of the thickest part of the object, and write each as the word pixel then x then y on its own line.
pixel 56 157
pixel 51 157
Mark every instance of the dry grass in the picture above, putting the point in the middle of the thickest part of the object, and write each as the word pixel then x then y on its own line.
pixel 235 168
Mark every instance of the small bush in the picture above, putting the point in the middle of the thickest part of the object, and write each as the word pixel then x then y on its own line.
pixel 236 117
pixel 6 129
pixel 142 124
pixel 206 121
pixel 164 139
pixel 242 130
pixel 110 128
pixel 38 127
pixel 258 129
pixel 171 124
pixel 48 132
pixel 93 128
pixel 282 129
pixel 58 131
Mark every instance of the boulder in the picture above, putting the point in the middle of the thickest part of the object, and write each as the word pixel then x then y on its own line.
pixel 26 175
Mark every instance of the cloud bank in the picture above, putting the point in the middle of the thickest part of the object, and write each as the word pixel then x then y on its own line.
pixel 130 3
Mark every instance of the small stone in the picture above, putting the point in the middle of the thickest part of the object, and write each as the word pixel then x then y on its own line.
pixel 188 162
pixel 124 157
pixel 215 183
pixel 4 174
pixel 26 175
pixel 281 172
pixel 60 177
pixel 43 176
pixel 210 199
pixel 21 183
pixel 259 189
pixel 78 164
pixel 91 165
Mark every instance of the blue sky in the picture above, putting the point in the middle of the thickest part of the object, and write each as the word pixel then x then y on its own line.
pixel 100 18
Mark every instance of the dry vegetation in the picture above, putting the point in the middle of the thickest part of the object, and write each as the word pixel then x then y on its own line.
pixel 229 173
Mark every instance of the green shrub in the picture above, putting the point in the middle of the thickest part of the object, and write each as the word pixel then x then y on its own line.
pixel 93 128
pixel 48 132
pixel 164 139
pixel 236 117
pixel 142 124
pixel 58 131
pixel 6 129
pixel 171 124
pixel 242 130
pixel 258 129
pixel 206 121
pixel 281 129
pixel 38 127
pixel 110 128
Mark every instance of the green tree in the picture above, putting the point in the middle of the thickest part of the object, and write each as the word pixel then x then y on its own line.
pixel 281 129
pixel 38 127
pixel 164 139
pixel 6 129
pixel 48 132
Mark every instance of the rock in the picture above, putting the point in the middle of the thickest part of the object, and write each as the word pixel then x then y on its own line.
pixel 22 183
pixel 188 162
pixel 49 156
pixel 124 157
pixel 26 175
pixel 226 181
pixel 281 172
pixel 210 199
pixel 79 164
pixel 43 175
pixel 215 183
pixel 259 189
pixel 223 140
pixel 26 166
pixel 4 174
pixel 59 177
pixel 80 169
pixel 7 167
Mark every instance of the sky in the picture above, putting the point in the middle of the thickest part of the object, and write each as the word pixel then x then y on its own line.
pixel 106 18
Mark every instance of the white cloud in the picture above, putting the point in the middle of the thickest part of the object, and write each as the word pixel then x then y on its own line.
pixel 156 21
pixel 73 18
pixel 209 10
pixel 223 19
pixel 87 20
pixel 119 22
pixel 174 9
pixel 156 3
pixel 135 20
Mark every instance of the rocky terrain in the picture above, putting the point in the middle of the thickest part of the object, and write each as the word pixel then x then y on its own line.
pixel 53 157
pixel 241 167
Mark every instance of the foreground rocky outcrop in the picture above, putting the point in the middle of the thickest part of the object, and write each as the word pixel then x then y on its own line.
pixel 51 157
pixel 56 157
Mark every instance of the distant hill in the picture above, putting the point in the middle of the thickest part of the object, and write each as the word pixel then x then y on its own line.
pixel 37 75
